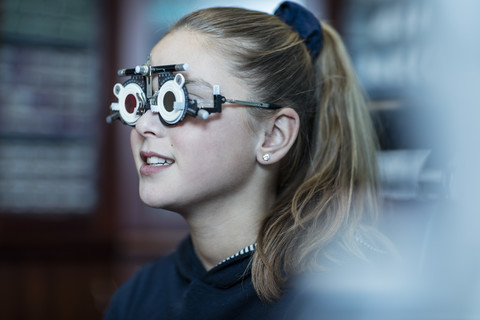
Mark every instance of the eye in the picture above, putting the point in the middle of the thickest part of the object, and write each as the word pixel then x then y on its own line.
pixel 198 89
pixel 193 97
pixel 195 93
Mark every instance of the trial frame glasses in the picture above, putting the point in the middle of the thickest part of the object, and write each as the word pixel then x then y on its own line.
pixel 171 101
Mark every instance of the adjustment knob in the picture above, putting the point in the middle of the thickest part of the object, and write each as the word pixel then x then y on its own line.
pixel 203 114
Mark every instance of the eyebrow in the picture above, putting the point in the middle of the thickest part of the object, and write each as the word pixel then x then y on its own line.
pixel 199 82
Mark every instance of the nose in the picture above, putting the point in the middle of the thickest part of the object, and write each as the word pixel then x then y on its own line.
pixel 149 124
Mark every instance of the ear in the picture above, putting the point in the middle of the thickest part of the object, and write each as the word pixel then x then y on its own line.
pixel 280 134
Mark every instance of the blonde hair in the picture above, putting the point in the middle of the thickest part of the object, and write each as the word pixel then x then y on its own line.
pixel 327 186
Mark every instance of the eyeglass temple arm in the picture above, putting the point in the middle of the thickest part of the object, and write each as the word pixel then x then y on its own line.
pixel 254 104
pixel 218 100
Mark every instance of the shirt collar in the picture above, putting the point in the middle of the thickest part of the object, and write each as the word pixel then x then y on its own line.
pixel 226 274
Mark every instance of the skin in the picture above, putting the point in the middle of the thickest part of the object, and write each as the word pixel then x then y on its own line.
pixel 216 177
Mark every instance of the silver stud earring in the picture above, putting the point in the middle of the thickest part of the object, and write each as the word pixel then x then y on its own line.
pixel 266 157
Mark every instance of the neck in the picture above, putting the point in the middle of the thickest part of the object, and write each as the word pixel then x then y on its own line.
pixel 219 232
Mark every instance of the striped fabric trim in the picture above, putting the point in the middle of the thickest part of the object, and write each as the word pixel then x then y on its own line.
pixel 245 250
pixel 364 243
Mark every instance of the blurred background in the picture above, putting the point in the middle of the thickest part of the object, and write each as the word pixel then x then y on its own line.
pixel 72 227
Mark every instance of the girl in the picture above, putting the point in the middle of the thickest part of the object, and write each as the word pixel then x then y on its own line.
pixel 278 184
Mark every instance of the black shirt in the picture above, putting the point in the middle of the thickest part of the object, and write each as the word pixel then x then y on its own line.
pixel 178 287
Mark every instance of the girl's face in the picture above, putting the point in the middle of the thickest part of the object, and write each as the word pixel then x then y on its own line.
pixel 197 162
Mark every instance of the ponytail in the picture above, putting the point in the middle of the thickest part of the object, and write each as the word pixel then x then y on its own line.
pixel 338 190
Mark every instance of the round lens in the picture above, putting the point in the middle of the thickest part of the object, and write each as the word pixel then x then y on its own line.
pixel 168 100
pixel 130 103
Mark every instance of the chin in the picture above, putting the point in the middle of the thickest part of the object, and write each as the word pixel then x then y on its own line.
pixel 153 200
pixel 150 198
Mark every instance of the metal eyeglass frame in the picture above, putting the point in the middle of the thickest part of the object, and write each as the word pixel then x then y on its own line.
pixel 135 96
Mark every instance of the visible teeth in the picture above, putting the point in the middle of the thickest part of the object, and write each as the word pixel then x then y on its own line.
pixel 156 161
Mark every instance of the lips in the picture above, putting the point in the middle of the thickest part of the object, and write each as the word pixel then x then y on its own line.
pixel 154 162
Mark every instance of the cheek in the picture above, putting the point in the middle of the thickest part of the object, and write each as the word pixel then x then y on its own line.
pixel 215 150
pixel 135 141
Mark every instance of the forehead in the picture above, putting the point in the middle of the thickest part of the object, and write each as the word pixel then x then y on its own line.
pixel 204 60
pixel 184 46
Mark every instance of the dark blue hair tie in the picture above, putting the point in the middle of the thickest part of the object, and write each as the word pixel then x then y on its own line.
pixel 304 23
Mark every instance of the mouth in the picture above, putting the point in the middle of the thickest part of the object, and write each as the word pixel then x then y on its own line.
pixel 156 160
